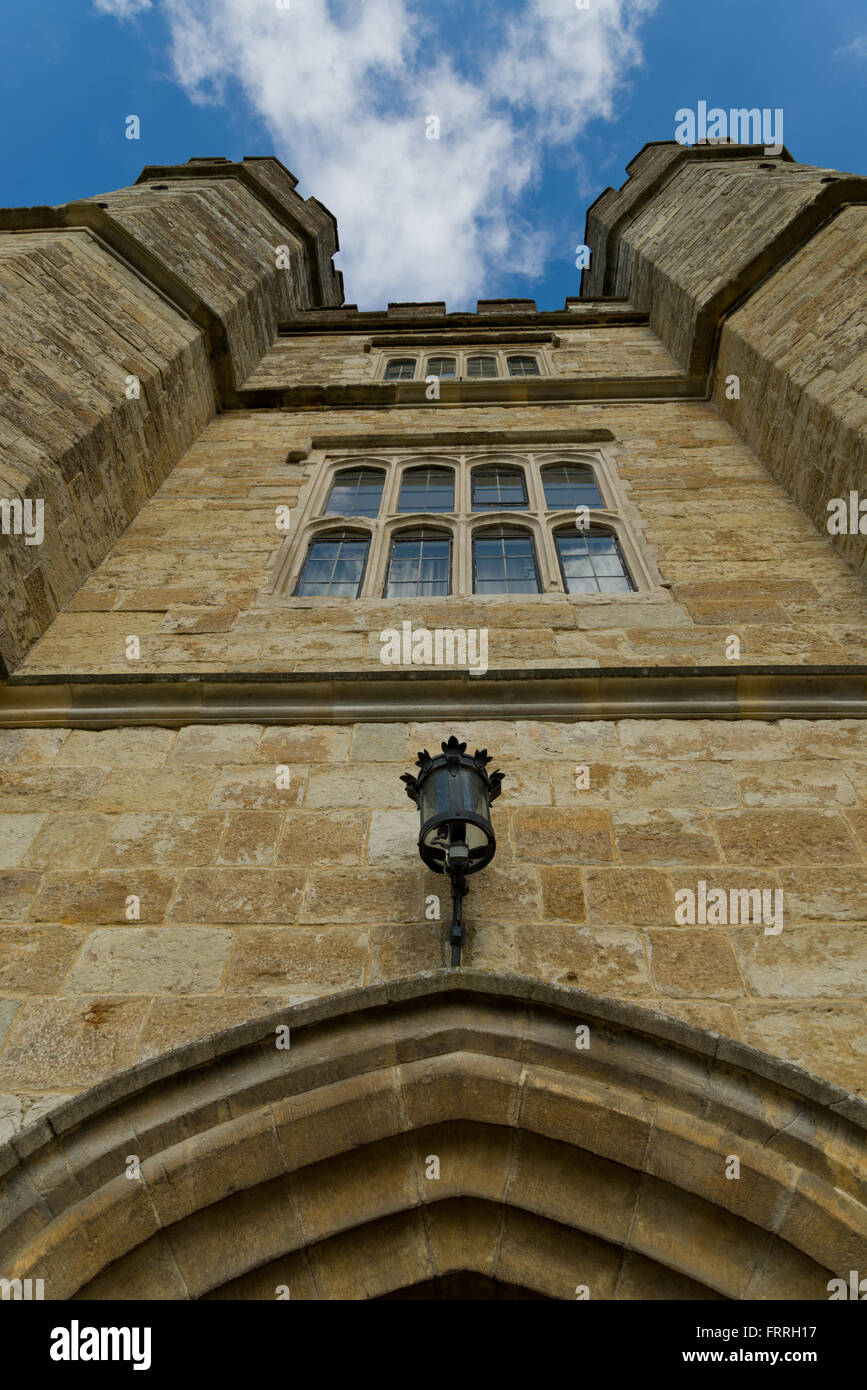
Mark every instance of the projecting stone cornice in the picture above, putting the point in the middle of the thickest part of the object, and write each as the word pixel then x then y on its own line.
pixel 513 391
pixel 753 692
pixel 602 312
pixel 600 1164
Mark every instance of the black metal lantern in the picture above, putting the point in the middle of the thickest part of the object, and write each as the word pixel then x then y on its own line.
pixel 453 792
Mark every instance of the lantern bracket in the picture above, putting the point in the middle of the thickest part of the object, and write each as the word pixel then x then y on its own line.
pixel 457 931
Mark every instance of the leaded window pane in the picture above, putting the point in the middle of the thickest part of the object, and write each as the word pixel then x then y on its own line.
pixel 478 367
pixel 523 366
pixel 504 562
pixel 427 490
pixel 495 488
pixel 400 369
pixel 570 485
pixel 440 366
pixel 593 563
pixel 334 568
pixel 419 566
pixel 356 492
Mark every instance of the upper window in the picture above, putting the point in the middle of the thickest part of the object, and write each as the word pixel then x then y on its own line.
pixel 419 565
pixel 570 485
pixel 481 367
pixel 400 369
pixel 592 562
pixel 356 492
pixel 523 366
pixel 441 367
pixel 504 562
pixel 334 565
pixel 496 489
pixel 427 490
pixel 450 363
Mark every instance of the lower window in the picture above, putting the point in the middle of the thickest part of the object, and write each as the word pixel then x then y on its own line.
pixel 592 562
pixel 335 564
pixel 504 562
pixel 419 565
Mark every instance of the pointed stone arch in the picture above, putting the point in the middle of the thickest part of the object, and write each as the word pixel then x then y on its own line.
pixel 560 1167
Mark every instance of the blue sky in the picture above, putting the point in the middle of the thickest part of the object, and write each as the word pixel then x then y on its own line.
pixel 540 107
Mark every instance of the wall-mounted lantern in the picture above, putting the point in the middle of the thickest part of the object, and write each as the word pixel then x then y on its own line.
pixel 453 793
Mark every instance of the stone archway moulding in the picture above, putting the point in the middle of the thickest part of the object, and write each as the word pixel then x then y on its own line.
pixel 560 1166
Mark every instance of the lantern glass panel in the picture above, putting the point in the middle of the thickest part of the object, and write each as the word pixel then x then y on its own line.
pixel 435 800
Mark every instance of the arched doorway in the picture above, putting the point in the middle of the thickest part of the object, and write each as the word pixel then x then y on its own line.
pixel 445 1137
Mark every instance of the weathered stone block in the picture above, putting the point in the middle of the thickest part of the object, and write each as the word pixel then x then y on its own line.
pixel 151 960
pixel 635 897
pixel 813 963
pixel 663 836
pixel 238 895
pixel 694 962
pixel 605 960
pixel 34 960
pixel 163 838
pixel 96 896
pixel 69 842
pixel 558 835
pixel 258 788
pixel 136 748
pixel 282 963
pixel 222 744
pixel 17 833
pixel 771 837
pixel 562 892
pixel 182 790
pixel 71 1043
pixel 363 895
pixel 314 839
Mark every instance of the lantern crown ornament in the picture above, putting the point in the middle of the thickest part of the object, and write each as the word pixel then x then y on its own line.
pixel 453 792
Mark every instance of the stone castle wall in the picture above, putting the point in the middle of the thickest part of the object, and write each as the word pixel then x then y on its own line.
pixel 253 896
pixel 158 883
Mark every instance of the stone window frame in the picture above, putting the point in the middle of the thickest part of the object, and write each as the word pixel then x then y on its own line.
pixel 310 518
pixel 498 351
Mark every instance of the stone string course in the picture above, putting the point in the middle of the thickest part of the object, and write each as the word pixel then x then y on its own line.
pixel 253 897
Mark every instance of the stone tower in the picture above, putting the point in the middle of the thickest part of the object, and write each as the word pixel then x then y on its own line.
pixel 261 548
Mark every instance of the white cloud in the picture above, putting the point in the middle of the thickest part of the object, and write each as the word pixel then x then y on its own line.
pixel 122 9
pixel 345 87
pixel 856 49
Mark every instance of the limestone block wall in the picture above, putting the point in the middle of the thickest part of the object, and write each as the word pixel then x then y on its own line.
pixel 217 237
pixel 761 262
pixel 188 577
pixel 173 282
pixel 799 348
pixel 158 885
pixel 75 323
pixel 708 219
